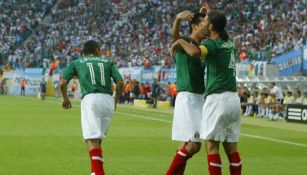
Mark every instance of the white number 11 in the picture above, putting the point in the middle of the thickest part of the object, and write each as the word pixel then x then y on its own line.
pixel 92 73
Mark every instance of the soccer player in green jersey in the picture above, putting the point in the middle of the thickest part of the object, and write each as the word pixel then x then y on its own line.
pixel 221 120
pixel 97 105
pixel 190 99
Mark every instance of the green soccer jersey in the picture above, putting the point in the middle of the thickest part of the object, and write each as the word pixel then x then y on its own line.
pixel 94 74
pixel 221 65
pixel 189 72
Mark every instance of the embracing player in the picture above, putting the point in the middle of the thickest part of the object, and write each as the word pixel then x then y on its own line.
pixel 221 120
pixel 97 105
pixel 190 99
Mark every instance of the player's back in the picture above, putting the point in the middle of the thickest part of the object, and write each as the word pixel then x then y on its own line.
pixel 221 66
pixel 95 74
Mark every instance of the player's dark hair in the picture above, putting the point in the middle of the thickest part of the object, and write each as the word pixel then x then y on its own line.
pixel 90 47
pixel 196 19
pixel 218 20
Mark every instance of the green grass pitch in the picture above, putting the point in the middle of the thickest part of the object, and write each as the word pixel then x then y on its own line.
pixel 41 138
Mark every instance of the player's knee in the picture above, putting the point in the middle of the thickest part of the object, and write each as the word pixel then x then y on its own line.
pixel 93 143
pixel 193 147
pixel 212 148
pixel 197 147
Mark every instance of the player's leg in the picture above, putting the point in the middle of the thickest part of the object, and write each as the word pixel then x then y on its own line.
pixel 212 131
pixel 233 127
pixel 186 126
pixel 213 157
pixel 185 151
pixel 233 155
pixel 154 102
pixel 95 151
pixel 96 111
pixel 280 109
pixel 43 95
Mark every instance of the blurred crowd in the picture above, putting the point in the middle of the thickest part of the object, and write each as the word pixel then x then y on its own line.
pixel 138 32
pixel 263 29
pixel 151 92
pixel 18 19
pixel 266 103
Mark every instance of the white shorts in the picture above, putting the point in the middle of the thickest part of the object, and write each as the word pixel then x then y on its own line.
pixel 187 117
pixel 96 115
pixel 221 120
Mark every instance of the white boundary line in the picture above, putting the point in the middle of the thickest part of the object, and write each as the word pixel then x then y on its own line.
pixel 167 121
pixel 246 135
pixel 274 140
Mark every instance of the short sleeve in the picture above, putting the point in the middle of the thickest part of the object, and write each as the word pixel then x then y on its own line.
pixel 69 72
pixel 115 73
pixel 211 47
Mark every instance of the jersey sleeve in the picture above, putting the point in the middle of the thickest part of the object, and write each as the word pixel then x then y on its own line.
pixel 115 73
pixel 69 72
pixel 208 48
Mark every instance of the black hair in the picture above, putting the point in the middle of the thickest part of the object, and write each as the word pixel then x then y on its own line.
pixel 90 47
pixel 218 20
pixel 196 19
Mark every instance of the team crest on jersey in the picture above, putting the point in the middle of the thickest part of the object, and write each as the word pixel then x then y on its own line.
pixel 196 135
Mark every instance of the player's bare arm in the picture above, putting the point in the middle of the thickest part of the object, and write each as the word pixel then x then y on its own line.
pixel 194 51
pixel 185 15
pixel 118 92
pixel 66 102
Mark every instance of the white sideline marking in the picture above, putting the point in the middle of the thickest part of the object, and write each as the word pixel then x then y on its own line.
pixel 147 118
pixel 246 135
pixel 275 140
pixel 167 121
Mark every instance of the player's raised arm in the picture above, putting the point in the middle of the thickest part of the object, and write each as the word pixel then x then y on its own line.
pixel 185 15
pixel 208 6
pixel 192 50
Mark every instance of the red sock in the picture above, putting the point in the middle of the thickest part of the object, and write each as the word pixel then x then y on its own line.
pixel 97 161
pixel 179 162
pixel 214 164
pixel 235 163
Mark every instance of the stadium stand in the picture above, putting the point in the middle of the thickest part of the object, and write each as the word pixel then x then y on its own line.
pixel 138 32
pixel 18 22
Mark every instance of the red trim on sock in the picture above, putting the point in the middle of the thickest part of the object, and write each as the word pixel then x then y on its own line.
pixel 183 150
pixel 234 158
pixel 216 159
pixel 96 165
pixel 178 164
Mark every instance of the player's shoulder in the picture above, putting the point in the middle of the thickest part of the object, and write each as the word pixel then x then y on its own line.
pixel 108 60
pixel 210 44
pixel 76 60
pixel 208 41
